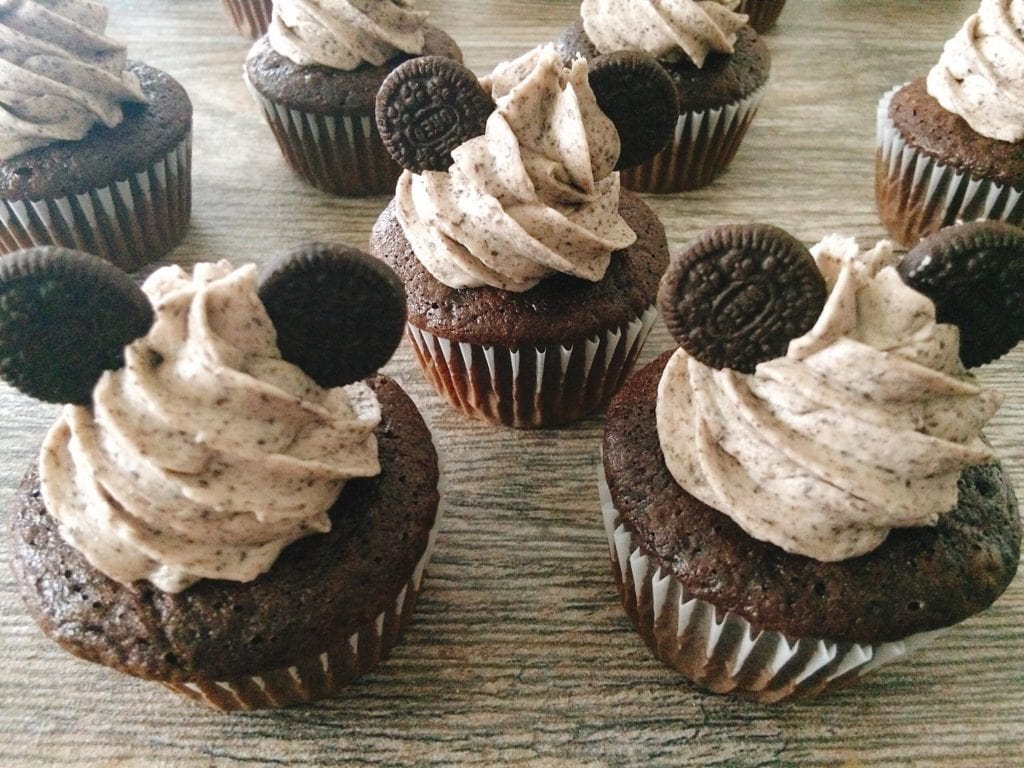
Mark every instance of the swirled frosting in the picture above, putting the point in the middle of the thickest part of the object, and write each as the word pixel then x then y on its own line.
pixel 206 454
pixel 343 34
pixel 863 426
pixel 980 75
pixel 667 30
pixel 535 195
pixel 59 76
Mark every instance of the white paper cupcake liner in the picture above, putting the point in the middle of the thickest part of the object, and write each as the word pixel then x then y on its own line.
pixel 128 222
pixel 531 387
pixel 705 142
pixel 918 195
pixel 720 650
pixel 347 659
pixel 341 155
pixel 250 17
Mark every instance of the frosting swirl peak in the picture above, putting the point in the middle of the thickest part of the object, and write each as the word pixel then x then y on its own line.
pixel 863 426
pixel 535 195
pixel 980 75
pixel 343 34
pixel 60 75
pixel 667 29
pixel 207 453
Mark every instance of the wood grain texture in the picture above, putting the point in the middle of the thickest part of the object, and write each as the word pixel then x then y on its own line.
pixel 519 653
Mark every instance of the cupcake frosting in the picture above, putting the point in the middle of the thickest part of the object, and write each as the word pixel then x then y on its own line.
pixel 980 75
pixel 206 454
pixel 863 426
pixel 534 196
pixel 344 34
pixel 668 30
pixel 60 74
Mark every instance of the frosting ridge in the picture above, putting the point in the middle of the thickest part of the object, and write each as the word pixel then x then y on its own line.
pixel 343 34
pixel 669 30
pixel 980 75
pixel 535 195
pixel 206 454
pixel 60 74
pixel 863 426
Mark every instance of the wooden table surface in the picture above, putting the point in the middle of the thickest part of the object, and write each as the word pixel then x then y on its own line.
pixel 519 653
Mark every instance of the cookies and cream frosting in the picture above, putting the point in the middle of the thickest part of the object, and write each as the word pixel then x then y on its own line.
pixel 980 75
pixel 863 426
pixel 59 74
pixel 206 454
pixel 344 34
pixel 668 30
pixel 536 195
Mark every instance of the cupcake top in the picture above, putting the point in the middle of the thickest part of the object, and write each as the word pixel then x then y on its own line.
pixel 669 31
pixel 206 454
pixel 862 426
pixel 344 34
pixel 61 75
pixel 980 75
pixel 535 195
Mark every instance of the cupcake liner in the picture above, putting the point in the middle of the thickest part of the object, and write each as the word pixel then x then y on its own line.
pixel 763 13
pixel 705 142
pixel 251 17
pixel 532 387
pixel 918 195
pixel 347 658
pixel 129 222
pixel 340 155
pixel 720 650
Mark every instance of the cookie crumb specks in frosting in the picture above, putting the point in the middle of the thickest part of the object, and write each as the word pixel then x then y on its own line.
pixel 343 34
pixel 535 195
pixel 669 30
pixel 863 426
pixel 980 75
pixel 61 76
pixel 207 453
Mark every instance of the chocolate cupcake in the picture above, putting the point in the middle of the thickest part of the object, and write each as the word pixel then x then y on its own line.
pixel 761 14
pixel 718 63
pixel 250 17
pixel 249 534
pixel 777 533
pixel 951 146
pixel 531 279
pixel 111 173
pixel 315 80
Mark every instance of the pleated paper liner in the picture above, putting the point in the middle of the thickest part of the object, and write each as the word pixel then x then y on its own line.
pixel 918 195
pixel 763 13
pixel 341 155
pixel 250 17
pixel 346 658
pixel 129 222
pixel 719 650
pixel 704 144
pixel 532 387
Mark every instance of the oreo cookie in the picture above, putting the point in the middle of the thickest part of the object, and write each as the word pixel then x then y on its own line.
pixel 426 108
pixel 339 313
pixel 638 96
pixel 974 274
pixel 65 317
pixel 739 294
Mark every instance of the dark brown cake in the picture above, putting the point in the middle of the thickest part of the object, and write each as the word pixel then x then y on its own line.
pixel 130 226
pixel 919 579
pixel 320 591
pixel 559 308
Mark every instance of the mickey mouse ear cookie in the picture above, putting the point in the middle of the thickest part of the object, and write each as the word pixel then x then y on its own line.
pixel 426 108
pixel 739 294
pixel 65 317
pixel 638 96
pixel 339 313
pixel 974 274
